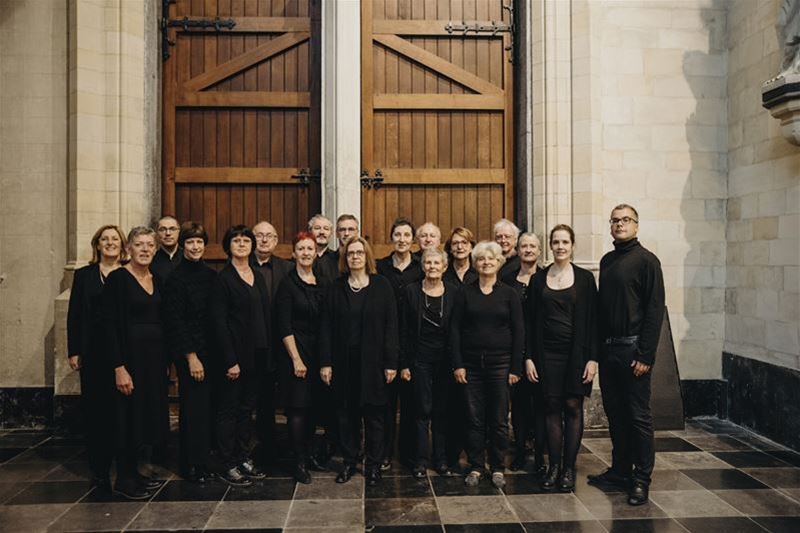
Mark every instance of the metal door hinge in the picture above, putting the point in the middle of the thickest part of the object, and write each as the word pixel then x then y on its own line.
pixel 305 175
pixel 371 182
pixel 186 23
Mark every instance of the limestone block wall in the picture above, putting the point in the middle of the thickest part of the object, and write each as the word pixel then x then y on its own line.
pixel 763 229
pixel 33 182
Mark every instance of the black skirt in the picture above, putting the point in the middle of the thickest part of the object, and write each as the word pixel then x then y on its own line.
pixel 558 379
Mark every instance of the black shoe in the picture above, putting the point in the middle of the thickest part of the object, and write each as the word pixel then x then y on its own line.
pixel 608 478
pixel 301 474
pixel 539 470
pixel 419 472
pixel 101 484
pixel 317 464
pixel 566 482
pixel 235 478
pixel 195 474
pixel 373 477
pixel 639 493
pixel 250 470
pixel 444 470
pixel 148 483
pixel 347 472
pixel 131 490
pixel 386 465
pixel 519 462
pixel 551 478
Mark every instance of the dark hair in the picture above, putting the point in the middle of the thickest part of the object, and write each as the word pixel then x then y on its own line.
pixel 368 256
pixel 162 217
pixel 302 236
pixel 192 230
pixel 239 230
pixel 564 227
pixel 402 221
pixel 627 206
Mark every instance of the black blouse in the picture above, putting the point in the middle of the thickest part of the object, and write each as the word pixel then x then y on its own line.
pixel 186 299
pixel 299 305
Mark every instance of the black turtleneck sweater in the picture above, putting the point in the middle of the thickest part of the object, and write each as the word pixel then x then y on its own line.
pixel 186 297
pixel 163 264
pixel 632 296
pixel 400 278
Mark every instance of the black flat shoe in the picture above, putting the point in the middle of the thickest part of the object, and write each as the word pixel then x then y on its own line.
pixel 639 493
pixel 419 472
pixel 148 483
pixel 539 470
pixel 386 465
pixel 373 477
pixel 566 482
pixel 235 478
pixel 317 464
pixel 609 478
pixel 250 470
pixel 301 474
pixel 518 463
pixel 347 472
pixel 194 474
pixel 444 470
pixel 551 478
pixel 131 490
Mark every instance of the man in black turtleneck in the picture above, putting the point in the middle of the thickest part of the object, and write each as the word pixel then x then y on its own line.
pixel 631 310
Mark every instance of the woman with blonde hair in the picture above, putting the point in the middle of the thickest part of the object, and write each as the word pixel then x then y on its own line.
pixel 84 342
pixel 359 354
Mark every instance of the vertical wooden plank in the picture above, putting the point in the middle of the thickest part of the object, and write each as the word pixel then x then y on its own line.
pixel 196 204
pixel 209 219
pixel 290 65
pixel 169 131
pixel 367 119
pixel 471 208
pixel 443 193
pixel 223 211
pixel 457 206
pixel 508 129
pixel 392 205
pixel 249 204
pixel 183 202
pixel 237 205
pixel 236 120
pixel 263 203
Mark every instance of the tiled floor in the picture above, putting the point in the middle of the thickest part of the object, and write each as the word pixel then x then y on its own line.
pixel 711 477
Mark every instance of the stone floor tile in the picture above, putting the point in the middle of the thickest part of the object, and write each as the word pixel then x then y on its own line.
pixel 186 491
pixel 549 508
pixel 9 490
pixel 474 510
pixel 265 489
pixel 483 528
pixel 673 480
pixel 46 453
pixel 718 443
pixel 615 507
pixel 674 444
pixel 691 460
pixel 760 502
pixel 30 518
pixel 400 512
pixel 332 513
pixel 400 487
pixel 583 526
pixel 454 486
pixel 248 514
pixel 405 529
pixel 97 517
pixel 327 489
pixel 173 515
pixel 70 471
pixel 750 459
pixel 787 456
pixel 733 524
pixel 681 503
pixel 724 479
pixel 10 473
pixel 7 454
pixel 42 492
pixel 639 525
pixel 778 524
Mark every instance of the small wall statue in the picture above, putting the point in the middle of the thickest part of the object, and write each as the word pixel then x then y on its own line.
pixel 789 34
pixel 781 94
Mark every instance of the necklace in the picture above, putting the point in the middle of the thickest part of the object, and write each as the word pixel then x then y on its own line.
pixel 430 310
pixel 355 286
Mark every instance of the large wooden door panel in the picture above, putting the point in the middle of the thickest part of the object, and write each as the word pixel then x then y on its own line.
pixel 242 116
pixel 436 115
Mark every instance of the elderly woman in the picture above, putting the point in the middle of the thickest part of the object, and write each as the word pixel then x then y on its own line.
pixel 401 268
pixel 240 319
pixel 459 247
pixel 186 298
pixel 527 405
pixel 487 337
pixel 135 350
pixel 84 342
pixel 425 324
pixel 358 354
pixel 299 299
pixel 562 347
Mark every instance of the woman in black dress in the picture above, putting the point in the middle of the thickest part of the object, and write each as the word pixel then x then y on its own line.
pixel 487 338
pixel 562 347
pixel 84 322
pixel 358 354
pixel 459 250
pixel 186 299
pixel 425 325
pixel 299 303
pixel 527 404
pixel 136 351
pixel 240 320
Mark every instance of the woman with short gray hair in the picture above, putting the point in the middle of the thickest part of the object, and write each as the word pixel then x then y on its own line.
pixel 487 336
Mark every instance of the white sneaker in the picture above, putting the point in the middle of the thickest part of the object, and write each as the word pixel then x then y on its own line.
pixel 472 479
pixel 498 480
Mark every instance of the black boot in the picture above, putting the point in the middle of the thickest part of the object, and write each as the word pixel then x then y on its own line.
pixel 301 474
pixel 373 477
pixel 347 472
pixel 131 489
pixel 551 478
pixel 567 481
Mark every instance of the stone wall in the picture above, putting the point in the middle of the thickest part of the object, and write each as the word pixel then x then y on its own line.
pixel 763 258
pixel 33 186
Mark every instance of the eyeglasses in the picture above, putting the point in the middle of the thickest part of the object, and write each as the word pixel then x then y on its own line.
pixel 171 229
pixel 625 221
pixel 356 253
pixel 503 237
pixel 266 236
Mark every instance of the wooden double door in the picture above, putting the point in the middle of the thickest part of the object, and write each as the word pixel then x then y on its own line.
pixel 241 115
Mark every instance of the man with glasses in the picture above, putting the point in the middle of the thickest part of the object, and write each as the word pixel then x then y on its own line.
pixel 631 301
pixel 506 234
pixel 169 254
pixel 273 268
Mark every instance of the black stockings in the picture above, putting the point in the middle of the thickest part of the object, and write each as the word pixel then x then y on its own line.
pixel 564 420
pixel 301 431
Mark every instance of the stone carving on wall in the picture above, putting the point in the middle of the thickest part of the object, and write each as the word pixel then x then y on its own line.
pixel 789 34
pixel 781 94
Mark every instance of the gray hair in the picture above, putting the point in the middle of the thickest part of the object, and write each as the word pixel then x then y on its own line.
pixel 505 222
pixel 419 229
pixel 317 217
pixel 488 247
pixel 531 235
pixel 434 251
pixel 139 231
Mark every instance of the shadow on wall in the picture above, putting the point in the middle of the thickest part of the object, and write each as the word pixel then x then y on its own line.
pixel 703 215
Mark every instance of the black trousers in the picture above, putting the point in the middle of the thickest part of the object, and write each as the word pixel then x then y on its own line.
pixel 97 406
pixel 456 441
pixel 430 382
pixel 195 417
pixel 399 393
pixel 626 400
pixel 527 417
pixel 265 416
pixel 349 421
pixel 236 401
pixel 487 409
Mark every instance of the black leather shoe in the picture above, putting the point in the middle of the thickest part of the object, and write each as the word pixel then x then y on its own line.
pixel 609 478
pixel 317 464
pixel 373 477
pixel 347 472
pixel 566 483
pixel 195 474
pixel 386 465
pixel 551 478
pixel 444 470
pixel 131 490
pixel 639 493
pixel 419 472
pixel 519 462
pixel 250 470
pixel 148 483
pixel 235 478
pixel 539 470
pixel 301 474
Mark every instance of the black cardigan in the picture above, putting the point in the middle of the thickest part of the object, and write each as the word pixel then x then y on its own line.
pixel 411 319
pixel 298 306
pixel 584 323
pixel 186 307
pixel 85 314
pixel 231 320
pixel 379 344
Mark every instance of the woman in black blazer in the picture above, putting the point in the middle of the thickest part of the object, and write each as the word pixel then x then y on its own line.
pixel 562 347
pixel 240 319
pixel 358 354
pixel 186 300
pixel 84 342
pixel 299 304
pixel 425 326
